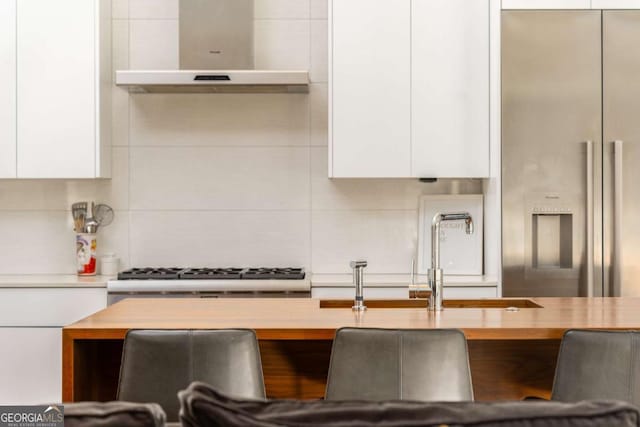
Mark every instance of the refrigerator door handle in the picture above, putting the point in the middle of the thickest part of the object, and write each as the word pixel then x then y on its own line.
pixel 618 194
pixel 590 230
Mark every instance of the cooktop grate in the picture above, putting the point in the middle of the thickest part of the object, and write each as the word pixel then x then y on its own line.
pixel 175 273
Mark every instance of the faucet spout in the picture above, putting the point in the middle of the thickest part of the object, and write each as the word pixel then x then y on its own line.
pixel 358 281
pixel 436 273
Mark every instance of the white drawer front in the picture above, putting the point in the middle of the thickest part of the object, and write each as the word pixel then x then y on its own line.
pixel 30 366
pixel 49 307
pixel 369 293
pixel 469 292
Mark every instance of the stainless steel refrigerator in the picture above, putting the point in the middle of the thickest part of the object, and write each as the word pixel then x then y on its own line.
pixel 571 153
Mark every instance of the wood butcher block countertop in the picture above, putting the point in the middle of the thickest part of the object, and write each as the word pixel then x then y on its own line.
pixel 303 319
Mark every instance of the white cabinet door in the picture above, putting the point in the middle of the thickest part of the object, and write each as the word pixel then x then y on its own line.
pixel 369 293
pixel 56 88
pixel 8 89
pixel 30 365
pixel 469 292
pixel 370 88
pixel 450 88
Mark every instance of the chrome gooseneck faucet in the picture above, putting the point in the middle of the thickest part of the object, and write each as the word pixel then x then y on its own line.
pixel 435 272
pixel 358 281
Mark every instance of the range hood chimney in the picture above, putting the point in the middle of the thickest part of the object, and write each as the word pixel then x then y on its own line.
pixel 216 34
pixel 216 56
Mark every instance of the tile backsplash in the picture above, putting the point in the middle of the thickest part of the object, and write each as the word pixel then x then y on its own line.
pixel 221 180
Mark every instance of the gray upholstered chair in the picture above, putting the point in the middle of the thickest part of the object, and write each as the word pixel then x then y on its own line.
pixel 598 365
pixel 382 364
pixel 156 364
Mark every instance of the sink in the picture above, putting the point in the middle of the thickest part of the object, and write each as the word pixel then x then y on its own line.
pixel 423 303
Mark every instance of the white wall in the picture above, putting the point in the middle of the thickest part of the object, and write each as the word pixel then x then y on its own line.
pixel 220 180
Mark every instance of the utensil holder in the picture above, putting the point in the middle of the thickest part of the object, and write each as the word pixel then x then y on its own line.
pixel 86 245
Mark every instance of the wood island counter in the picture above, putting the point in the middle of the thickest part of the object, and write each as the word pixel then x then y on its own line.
pixel 512 353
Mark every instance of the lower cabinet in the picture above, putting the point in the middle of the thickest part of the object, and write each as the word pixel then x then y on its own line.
pixel 458 292
pixel 30 366
pixel 31 321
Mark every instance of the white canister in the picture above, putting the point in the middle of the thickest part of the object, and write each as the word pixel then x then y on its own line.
pixel 109 265
pixel 86 245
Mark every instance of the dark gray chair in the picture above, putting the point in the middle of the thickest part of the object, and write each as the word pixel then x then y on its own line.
pixel 382 364
pixel 598 365
pixel 156 364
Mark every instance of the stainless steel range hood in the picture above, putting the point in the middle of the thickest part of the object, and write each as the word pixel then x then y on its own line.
pixel 216 56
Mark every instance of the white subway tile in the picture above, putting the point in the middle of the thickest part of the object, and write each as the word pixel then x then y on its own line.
pixel 319 52
pixel 215 238
pixel 120 45
pixel 115 239
pixel 120 96
pixel 386 239
pixel 154 9
pixel 58 194
pixel 319 9
pixel 40 242
pixel 221 119
pixel 114 191
pixel 153 45
pixel 119 116
pixel 375 194
pixel 220 178
pixel 354 194
pixel 281 9
pixel 282 44
pixel 119 9
pixel 319 107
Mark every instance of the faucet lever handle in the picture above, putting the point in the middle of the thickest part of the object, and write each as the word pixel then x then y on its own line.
pixel 358 264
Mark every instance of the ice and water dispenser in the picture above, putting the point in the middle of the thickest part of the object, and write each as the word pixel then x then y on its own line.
pixel 551 241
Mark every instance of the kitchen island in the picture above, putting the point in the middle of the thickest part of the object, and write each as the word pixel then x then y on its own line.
pixel 513 343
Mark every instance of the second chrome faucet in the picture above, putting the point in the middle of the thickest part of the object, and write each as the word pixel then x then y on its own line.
pixel 435 272
pixel 358 281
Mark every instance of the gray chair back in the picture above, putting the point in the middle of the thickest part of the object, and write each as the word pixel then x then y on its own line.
pixel 156 364
pixel 382 364
pixel 598 365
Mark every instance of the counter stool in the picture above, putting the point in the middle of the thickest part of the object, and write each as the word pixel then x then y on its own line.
pixel 598 365
pixel 383 364
pixel 156 364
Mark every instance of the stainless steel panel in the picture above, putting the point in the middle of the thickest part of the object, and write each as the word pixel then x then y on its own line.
pixel 216 34
pixel 621 77
pixel 551 104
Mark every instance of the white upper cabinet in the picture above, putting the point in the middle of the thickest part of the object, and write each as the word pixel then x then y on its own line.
pixel 409 88
pixel 63 90
pixel 370 88
pixel 450 88
pixel 7 88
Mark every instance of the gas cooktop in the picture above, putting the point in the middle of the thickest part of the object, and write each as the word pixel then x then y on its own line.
pixel 175 273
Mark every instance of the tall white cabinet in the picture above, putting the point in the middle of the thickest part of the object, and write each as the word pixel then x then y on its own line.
pixel 409 88
pixel 58 123
pixel 450 88
pixel 370 87
pixel 7 89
